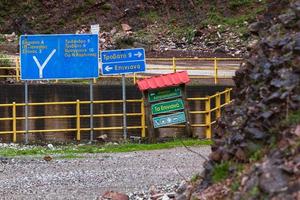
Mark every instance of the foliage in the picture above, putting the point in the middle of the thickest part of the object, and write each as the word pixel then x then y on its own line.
pixel 220 172
pixel 256 156
pixel 293 118
pixel 235 185
pixel 4 61
pixel 150 16
pixel 111 148
pixel 195 178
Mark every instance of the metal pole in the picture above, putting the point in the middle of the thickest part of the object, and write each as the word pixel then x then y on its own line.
pixel 26 112
pixel 91 112
pixel 124 107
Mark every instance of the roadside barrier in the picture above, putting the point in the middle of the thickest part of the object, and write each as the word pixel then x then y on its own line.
pixel 212 111
pixel 198 68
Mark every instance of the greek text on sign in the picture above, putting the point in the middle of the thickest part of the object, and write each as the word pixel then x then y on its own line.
pixel 167 106
pixel 123 61
pixel 167 120
pixel 164 94
pixel 59 56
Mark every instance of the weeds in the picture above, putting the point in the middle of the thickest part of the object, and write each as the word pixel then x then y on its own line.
pixel 79 149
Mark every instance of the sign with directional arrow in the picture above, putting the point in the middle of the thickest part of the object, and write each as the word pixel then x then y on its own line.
pixel 123 61
pixel 59 56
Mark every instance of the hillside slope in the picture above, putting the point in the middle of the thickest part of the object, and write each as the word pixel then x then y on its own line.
pixel 217 26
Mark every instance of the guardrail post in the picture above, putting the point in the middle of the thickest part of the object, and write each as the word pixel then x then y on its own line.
pixel 134 78
pixel 174 64
pixel 78 120
pixel 208 118
pixel 143 117
pixel 218 105
pixel 216 70
pixel 14 124
pixel 17 69
pixel 94 80
pixel 227 96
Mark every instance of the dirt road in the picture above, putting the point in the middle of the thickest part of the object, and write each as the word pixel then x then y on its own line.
pixel 90 176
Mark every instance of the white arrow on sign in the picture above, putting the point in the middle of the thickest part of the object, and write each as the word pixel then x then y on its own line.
pixel 138 54
pixel 41 67
pixel 108 68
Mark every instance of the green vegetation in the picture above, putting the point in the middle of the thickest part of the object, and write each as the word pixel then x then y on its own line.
pixel 195 178
pixel 256 156
pixel 220 172
pixel 72 150
pixel 4 61
pixel 106 7
pixel 214 17
pixel 150 16
pixel 293 118
pixel 234 4
pixel 235 185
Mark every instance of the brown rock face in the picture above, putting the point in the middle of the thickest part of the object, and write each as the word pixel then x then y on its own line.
pixel 261 124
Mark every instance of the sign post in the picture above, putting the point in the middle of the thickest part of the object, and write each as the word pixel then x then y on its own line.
pixel 123 62
pixel 26 112
pixel 58 56
pixel 165 102
pixel 91 111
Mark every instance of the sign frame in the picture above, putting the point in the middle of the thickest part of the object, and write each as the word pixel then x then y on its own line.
pixel 108 67
pixel 50 57
pixel 166 117
pixel 152 93
pixel 179 101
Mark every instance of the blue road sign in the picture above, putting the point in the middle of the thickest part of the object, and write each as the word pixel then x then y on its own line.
pixel 59 56
pixel 123 61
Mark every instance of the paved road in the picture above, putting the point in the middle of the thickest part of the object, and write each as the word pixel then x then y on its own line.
pixel 226 69
pixel 89 177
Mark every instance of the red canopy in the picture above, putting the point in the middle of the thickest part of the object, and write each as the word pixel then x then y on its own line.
pixel 162 81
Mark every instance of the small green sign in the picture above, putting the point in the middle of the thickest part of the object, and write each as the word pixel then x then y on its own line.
pixel 167 120
pixel 164 94
pixel 167 106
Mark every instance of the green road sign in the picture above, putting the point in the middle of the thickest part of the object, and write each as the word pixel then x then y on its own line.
pixel 164 94
pixel 167 106
pixel 168 120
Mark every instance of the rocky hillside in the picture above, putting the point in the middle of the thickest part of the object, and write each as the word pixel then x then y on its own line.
pixel 207 26
pixel 256 151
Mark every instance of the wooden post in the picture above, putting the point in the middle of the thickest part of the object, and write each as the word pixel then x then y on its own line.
pixel 188 127
pixel 152 132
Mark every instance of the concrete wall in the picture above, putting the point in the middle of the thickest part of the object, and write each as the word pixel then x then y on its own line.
pixel 72 92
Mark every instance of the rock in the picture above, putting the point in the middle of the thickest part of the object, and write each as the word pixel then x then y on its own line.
pixel 273 180
pixel 48 158
pixel 126 27
pixel 181 197
pixel 113 31
pixel 219 50
pixel 256 27
pixel 297 130
pixel 165 197
pixel 102 138
pixel 182 187
pixel 240 155
pixel 50 146
pixel 157 196
pixel 111 195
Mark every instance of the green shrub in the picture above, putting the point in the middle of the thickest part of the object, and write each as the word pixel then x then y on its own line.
pixel 220 172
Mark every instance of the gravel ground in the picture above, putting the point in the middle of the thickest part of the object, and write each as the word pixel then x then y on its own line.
pixel 89 177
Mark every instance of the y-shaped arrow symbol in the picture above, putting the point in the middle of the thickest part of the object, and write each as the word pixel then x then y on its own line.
pixel 41 67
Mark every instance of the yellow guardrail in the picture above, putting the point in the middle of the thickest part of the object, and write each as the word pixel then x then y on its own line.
pixel 212 111
pixel 211 67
